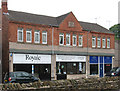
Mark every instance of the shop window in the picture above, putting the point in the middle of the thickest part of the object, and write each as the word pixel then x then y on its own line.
pixel 44 37
pixel 74 40
pixel 68 39
pixel 108 42
pixel 107 68
pixel 28 36
pixel 98 42
pixel 61 39
pixel 93 42
pixel 93 69
pixel 20 35
pixel 37 37
pixel 103 43
pixel 71 68
pixel 80 40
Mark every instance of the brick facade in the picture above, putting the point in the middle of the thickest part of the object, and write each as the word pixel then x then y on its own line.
pixel 53 26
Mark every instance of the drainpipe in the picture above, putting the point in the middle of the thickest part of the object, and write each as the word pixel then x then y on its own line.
pixel 87 61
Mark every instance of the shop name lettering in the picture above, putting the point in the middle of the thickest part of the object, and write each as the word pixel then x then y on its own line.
pixel 31 57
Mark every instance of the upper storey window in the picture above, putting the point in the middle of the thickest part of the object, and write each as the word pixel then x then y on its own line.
pixel 20 35
pixel 108 42
pixel 71 24
pixel 61 39
pixel 74 40
pixel 29 35
pixel 67 39
pixel 98 42
pixel 37 36
pixel 80 40
pixel 44 37
pixel 93 41
pixel 103 43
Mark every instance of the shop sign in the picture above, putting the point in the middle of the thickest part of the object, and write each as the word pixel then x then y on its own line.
pixel 94 59
pixel 31 59
pixel 68 58
pixel 108 59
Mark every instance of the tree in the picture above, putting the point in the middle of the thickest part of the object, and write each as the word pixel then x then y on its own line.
pixel 116 29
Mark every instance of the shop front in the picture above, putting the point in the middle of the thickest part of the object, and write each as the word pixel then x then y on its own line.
pixel 99 65
pixel 70 65
pixel 36 64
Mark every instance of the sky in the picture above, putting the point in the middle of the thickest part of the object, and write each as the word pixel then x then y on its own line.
pixel 102 12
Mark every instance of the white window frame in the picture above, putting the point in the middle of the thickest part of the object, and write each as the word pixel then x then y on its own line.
pixel 20 30
pixel 61 35
pixel 37 32
pixel 103 46
pixel 98 40
pixel 68 36
pixel 44 33
pixel 29 31
pixel 74 36
pixel 94 44
pixel 108 45
pixel 80 40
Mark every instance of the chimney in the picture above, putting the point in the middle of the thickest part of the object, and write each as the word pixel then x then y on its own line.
pixel 4 6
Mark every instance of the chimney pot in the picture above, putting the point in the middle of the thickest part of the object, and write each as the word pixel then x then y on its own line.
pixel 4 0
pixel 4 6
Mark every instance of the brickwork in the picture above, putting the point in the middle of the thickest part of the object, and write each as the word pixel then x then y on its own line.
pixel 63 28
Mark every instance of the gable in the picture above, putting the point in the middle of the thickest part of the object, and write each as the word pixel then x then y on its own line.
pixel 70 18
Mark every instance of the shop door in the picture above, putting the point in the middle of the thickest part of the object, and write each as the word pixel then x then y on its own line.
pixel 45 72
pixel 101 70
pixel 101 67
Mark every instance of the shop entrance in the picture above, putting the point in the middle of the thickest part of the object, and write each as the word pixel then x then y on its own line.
pixel 43 71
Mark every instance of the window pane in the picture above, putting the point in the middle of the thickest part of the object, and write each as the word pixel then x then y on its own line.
pixel 80 40
pixel 67 39
pixel 93 69
pixel 108 43
pixel 44 37
pixel 93 42
pixel 98 42
pixel 20 34
pixel 103 42
pixel 74 40
pixel 28 36
pixel 61 39
pixel 37 37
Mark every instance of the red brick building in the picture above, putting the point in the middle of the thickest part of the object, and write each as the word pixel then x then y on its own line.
pixel 46 46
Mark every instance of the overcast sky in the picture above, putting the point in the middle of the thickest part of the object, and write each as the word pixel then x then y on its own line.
pixel 104 12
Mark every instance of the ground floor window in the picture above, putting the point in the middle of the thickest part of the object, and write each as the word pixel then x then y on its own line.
pixel 107 68
pixel 71 67
pixel 22 67
pixel 43 71
pixel 93 69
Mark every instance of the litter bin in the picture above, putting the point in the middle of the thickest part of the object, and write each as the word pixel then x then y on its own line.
pixel 61 76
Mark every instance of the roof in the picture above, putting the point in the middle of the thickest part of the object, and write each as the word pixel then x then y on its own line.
pixel 32 18
pixel 52 21
pixel 94 27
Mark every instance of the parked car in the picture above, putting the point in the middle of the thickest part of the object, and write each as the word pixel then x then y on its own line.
pixel 19 77
pixel 115 71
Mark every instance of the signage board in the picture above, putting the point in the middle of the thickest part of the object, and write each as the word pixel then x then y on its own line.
pixel 31 59
pixel 69 58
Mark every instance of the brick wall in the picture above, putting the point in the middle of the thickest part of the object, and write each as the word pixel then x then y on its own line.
pixel 5 46
pixel 63 28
